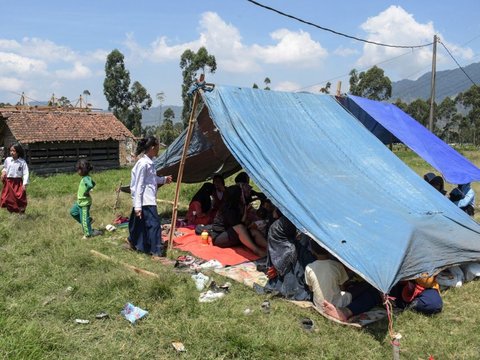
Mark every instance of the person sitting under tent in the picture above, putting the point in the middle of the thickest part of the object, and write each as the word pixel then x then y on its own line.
pixel 287 259
pixel 200 208
pixel 428 177
pixel 326 277
pixel 436 181
pixel 243 180
pixel 218 194
pixel 229 229
pixel 421 295
pixel 464 197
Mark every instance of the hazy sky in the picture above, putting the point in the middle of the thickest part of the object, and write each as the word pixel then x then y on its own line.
pixel 60 46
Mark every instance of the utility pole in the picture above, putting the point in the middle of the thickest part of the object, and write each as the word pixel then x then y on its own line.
pixel 432 93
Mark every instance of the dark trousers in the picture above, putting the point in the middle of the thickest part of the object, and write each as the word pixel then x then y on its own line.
pixel 429 301
pixel 146 232
pixel 365 300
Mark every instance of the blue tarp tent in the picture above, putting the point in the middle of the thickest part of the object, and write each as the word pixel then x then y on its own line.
pixel 387 122
pixel 332 178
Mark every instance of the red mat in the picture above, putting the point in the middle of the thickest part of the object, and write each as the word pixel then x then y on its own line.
pixel 227 256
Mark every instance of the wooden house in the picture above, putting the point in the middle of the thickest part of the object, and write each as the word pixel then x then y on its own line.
pixel 54 140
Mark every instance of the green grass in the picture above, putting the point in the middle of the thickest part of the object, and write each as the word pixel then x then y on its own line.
pixel 49 278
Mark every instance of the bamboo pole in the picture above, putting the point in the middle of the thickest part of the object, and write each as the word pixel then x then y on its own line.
pixel 182 166
pixel 128 266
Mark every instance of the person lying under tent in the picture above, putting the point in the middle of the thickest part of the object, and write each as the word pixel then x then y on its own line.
pixel 421 295
pixel 464 197
pixel 287 258
pixel 200 211
pixel 229 229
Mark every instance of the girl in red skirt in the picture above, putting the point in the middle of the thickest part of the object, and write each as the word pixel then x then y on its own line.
pixel 15 179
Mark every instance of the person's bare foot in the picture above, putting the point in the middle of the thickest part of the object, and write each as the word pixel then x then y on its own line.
pixel 331 310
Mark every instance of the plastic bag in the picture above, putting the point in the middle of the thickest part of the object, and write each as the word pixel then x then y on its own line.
pixel 132 313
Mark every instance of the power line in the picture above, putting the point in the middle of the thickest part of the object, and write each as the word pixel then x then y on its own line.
pixel 364 68
pixel 456 62
pixel 337 32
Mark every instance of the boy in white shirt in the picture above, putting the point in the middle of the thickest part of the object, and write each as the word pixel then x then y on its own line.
pixel 325 278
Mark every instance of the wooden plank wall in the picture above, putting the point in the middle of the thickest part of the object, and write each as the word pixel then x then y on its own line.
pixel 50 158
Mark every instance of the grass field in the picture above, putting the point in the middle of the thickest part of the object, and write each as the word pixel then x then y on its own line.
pixel 49 278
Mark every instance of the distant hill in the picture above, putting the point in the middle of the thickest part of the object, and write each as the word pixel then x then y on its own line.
pixel 152 116
pixel 448 83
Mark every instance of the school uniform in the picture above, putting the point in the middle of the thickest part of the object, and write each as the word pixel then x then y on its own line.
pixel 14 196
pixel 145 232
pixel 81 209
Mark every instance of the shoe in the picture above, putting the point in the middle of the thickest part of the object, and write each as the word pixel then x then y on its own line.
pixel 96 232
pixel 200 281
pixel 211 264
pixel 210 296
pixel 266 307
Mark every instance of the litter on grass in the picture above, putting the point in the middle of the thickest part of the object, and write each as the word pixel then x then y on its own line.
pixel 81 321
pixel 133 313
pixel 210 296
pixel 177 345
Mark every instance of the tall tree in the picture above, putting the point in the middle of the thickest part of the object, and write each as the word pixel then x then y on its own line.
pixel 267 83
pixel 470 99
pixel 191 63
pixel 372 84
pixel 161 98
pixel 139 100
pixel 116 86
pixel 126 104
pixel 167 131
pixel 326 88
pixel 420 110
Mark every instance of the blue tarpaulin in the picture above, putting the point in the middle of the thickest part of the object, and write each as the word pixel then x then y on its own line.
pixel 337 183
pixel 387 122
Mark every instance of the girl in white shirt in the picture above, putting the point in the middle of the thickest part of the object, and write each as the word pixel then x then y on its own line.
pixel 15 180
pixel 144 224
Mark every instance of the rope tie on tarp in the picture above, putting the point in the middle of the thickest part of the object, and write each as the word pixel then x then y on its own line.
pixel 395 337
pixel 197 86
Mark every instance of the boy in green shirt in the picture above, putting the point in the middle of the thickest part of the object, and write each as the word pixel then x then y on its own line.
pixel 81 209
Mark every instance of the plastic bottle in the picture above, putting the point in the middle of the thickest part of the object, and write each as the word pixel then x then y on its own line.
pixel 204 237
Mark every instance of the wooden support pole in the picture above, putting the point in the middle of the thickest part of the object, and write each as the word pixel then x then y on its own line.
pixel 191 122
pixel 432 90
pixel 339 88
pixel 128 266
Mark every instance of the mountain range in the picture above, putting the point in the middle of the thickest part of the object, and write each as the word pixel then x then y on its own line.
pixel 448 83
pixel 152 117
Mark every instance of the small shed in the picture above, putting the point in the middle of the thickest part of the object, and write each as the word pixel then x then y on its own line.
pixel 54 139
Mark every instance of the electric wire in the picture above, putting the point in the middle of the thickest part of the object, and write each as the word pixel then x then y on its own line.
pixel 337 32
pixel 456 62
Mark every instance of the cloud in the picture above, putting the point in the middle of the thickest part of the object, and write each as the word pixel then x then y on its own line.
pixel 10 62
pixel 345 52
pixel 10 84
pixel 225 42
pixel 291 48
pixel 6 44
pixel 287 86
pixel 395 26
pixel 79 71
